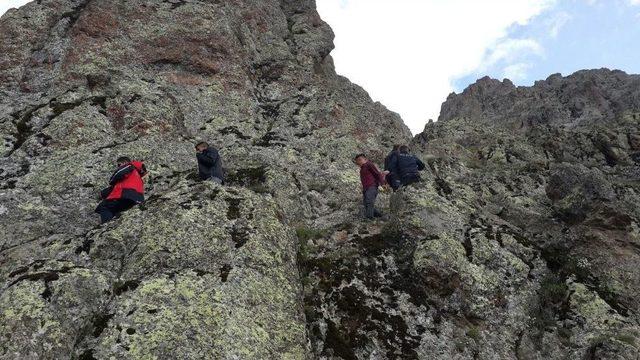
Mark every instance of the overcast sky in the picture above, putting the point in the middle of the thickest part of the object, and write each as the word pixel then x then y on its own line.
pixel 8 4
pixel 410 54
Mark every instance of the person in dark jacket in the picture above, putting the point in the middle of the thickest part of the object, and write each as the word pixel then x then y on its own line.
pixel 406 166
pixel 391 177
pixel 126 189
pixel 209 163
pixel 371 179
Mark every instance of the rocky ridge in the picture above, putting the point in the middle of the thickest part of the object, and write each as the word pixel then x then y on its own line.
pixel 201 271
pixel 520 243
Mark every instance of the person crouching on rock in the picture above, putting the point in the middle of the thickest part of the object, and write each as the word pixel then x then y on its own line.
pixel 126 189
pixel 371 179
pixel 406 166
pixel 209 163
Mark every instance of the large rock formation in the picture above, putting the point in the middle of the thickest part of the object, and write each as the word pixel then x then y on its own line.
pixel 198 271
pixel 521 243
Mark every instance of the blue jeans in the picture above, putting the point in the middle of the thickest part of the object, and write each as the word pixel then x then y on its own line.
pixel 369 196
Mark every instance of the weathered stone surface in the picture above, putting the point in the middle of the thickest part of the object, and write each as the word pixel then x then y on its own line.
pixel 522 242
pixel 198 271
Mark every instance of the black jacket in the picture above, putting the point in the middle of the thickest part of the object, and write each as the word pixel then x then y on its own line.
pixel 388 160
pixel 406 166
pixel 210 164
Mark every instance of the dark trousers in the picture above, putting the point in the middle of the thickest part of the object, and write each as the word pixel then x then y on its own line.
pixel 369 196
pixel 411 179
pixel 393 181
pixel 108 209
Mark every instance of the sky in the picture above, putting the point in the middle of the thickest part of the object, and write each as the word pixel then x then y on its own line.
pixel 8 4
pixel 411 54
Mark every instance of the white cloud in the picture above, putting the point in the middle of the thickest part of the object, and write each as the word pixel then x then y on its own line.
pixel 558 22
pixel 512 55
pixel 8 4
pixel 509 49
pixel 407 53
pixel 517 71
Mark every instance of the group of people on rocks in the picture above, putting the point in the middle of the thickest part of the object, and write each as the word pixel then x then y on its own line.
pixel 401 168
pixel 126 185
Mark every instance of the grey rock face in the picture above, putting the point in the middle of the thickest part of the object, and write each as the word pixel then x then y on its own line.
pixel 199 271
pixel 551 168
pixel 522 242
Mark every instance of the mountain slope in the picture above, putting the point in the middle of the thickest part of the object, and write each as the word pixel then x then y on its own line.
pixel 198 270
pixel 522 242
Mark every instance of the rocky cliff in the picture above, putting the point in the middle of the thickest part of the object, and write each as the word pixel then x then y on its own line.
pixel 199 271
pixel 520 243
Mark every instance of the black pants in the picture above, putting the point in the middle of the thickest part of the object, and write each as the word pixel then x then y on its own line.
pixel 411 179
pixel 393 181
pixel 108 209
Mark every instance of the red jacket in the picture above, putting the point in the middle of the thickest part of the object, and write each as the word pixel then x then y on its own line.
pixel 370 176
pixel 127 182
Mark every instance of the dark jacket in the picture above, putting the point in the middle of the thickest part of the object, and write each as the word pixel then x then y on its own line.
pixel 407 167
pixel 370 176
pixel 126 183
pixel 210 164
pixel 388 160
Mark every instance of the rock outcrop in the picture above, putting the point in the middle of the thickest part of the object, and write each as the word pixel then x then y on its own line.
pixel 198 271
pixel 522 242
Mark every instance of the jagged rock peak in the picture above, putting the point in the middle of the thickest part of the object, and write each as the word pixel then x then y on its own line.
pixel 583 97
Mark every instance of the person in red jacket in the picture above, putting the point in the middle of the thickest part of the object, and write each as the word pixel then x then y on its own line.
pixel 126 189
pixel 371 179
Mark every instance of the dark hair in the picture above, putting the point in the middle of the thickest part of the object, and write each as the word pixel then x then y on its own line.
pixel 404 149
pixel 396 147
pixel 202 143
pixel 360 156
pixel 124 159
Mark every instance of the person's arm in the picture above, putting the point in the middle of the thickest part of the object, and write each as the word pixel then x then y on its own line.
pixel 421 165
pixel 377 174
pixel 106 192
pixel 208 157
pixel 120 174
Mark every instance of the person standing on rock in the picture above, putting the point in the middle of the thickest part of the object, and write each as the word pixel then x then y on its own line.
pixel 126 189
pixel 391 177
pixel 407 166
pixel 371 179
pixel 209 163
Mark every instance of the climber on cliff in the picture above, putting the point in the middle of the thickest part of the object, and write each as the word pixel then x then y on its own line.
pixel 126 189
pixel 371 179
pixel 209 163
pixel 407 166
pixel 392 178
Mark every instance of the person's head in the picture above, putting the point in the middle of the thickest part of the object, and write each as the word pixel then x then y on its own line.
pixel 123 160
pixel 404 149
pixel 396 148
pixel 360 159
pixel 202 146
